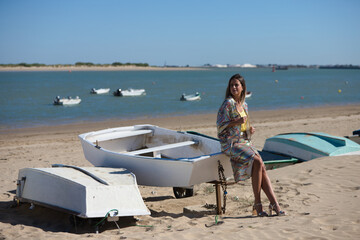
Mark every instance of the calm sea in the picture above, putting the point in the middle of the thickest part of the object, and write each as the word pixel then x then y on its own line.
pixel 26 98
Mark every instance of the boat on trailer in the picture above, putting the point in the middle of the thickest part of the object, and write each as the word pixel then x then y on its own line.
pixel 86 192
pixel 157 156
pixel 307 146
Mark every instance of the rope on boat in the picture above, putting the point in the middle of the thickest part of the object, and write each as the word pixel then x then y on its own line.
pixel 106 215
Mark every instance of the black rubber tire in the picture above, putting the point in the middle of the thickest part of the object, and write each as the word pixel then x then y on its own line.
pixel 180 192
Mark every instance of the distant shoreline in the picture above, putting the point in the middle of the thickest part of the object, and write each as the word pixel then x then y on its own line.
pixel 94 68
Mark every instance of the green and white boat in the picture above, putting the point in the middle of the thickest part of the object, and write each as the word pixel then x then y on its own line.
pixel 307 146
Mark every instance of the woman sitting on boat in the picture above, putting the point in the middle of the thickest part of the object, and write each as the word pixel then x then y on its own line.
pixel 234 132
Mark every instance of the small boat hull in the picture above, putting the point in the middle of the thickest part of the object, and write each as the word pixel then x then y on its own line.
pixel 129 93
pixel 248 94
pixel 191 97
pixel 100 91
pixel 90 195
pixel 67 101
pixel 307 146
pixel 178 166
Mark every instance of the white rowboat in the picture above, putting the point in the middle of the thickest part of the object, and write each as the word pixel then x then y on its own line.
pixel 157 156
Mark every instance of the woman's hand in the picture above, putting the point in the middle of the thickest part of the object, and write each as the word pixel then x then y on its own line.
pixel 240 120
pixel 252 130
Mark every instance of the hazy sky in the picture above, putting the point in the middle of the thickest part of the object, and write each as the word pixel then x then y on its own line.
pixel 180 32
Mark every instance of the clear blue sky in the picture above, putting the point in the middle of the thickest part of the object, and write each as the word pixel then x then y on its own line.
pixel 186 32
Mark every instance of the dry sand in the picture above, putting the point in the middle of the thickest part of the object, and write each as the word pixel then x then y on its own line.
pixel 321 197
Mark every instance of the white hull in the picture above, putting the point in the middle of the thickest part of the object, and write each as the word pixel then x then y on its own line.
pixel 72 191
pixel 67 101
pixel 192 97
pixel 130 92
pixel 195 162
pixel 100 90
pixel 248 94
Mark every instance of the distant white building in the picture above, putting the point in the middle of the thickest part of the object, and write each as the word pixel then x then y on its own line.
pixel 248 65
pixel 219 65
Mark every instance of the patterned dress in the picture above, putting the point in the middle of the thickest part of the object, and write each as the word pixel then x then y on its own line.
pixel 233 141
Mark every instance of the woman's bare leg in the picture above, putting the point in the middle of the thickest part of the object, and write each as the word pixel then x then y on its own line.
pixel 266 185
pixel 256 179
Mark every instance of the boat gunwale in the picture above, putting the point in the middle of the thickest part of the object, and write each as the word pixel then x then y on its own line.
pixel 84 137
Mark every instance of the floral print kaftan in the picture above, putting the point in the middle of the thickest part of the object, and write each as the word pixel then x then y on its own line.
pixel 233 141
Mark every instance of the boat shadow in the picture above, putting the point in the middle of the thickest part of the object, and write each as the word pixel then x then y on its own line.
pixel 50 220
pixel 156 199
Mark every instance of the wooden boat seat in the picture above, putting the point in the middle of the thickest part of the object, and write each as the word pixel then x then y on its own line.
pixel 156 150
pixel 116 135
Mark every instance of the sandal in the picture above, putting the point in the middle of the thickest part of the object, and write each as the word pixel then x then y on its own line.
pixel 273 207
pixel 257 212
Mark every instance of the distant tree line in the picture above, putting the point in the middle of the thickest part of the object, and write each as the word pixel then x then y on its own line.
pixel 77 64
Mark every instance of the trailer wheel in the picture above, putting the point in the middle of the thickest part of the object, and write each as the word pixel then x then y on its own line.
pixel 76 221
pixel 180 192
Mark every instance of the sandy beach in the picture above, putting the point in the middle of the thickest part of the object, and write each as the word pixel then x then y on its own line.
pixel 320 197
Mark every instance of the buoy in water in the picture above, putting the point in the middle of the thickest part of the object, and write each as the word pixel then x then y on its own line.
pixel 302 97
pixel 339 91
pixel 276 81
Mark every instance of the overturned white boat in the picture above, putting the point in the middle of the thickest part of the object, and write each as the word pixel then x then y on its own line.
pixel 86 192
pixel 157 156
pixel 191 97
pixel 129 93
pixel 100 90
pixel 67 101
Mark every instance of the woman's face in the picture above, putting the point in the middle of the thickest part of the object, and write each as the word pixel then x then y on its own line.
pixel 235 88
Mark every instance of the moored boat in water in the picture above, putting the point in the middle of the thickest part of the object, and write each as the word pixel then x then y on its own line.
pixel 248 94
pixel 129 92
pixel 190 97
pixel 100 90
pixel 67 101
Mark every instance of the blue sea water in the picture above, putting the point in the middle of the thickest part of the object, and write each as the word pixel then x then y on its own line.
pixel 26 98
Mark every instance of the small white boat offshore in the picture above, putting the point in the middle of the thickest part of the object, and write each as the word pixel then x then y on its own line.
pixel 191 97
pixel 86 192
pixel 129 93
pixel 67 101
pixel 157 156
pixel 248 94
pixel 100 90
pixel 307 146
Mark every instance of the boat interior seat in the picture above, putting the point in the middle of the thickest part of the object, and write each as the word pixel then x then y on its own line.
pixel 156 150
pixel 117 135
